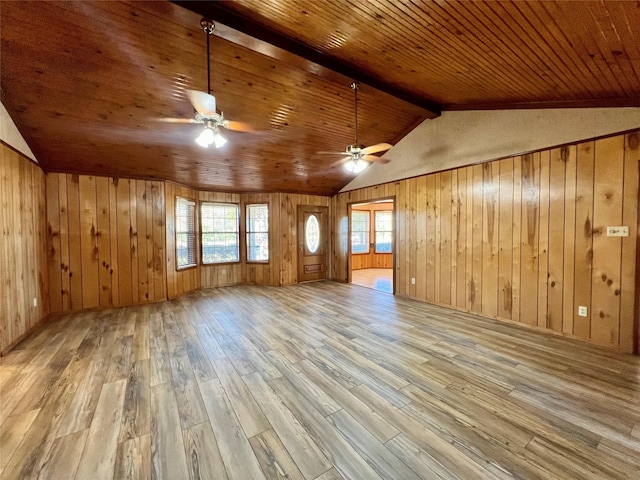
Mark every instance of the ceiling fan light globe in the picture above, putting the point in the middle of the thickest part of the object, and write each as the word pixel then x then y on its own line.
pixel 355 166
pixel 206 138
pixel 219 140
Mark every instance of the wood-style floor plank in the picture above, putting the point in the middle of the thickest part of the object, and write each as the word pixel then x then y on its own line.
pixel 318 381
pixel 99 453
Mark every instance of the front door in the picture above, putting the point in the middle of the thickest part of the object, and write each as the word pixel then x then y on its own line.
pixel 312 242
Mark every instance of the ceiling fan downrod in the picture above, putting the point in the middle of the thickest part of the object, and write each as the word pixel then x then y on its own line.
pixel 355 86
pixel 208 26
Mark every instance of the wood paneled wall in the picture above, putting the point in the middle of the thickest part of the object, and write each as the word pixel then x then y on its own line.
pixel 521 239
pixel 23 247
pixel 282 267
pixel 105 241
pixel 372 259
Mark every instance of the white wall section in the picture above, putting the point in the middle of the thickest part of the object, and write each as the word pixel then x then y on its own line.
pixel 465 137
pixel 10 135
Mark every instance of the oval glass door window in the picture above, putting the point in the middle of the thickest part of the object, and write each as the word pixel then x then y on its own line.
pixel 312 233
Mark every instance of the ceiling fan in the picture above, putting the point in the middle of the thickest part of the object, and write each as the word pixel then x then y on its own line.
pixel 205 106
pixel 359 156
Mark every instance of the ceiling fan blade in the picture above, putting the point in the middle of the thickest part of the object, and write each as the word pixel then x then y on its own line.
pixel 238 126
pixel 176 120
pixel 202 102
pixel 374 158
pixel 380 147
pixel 332 153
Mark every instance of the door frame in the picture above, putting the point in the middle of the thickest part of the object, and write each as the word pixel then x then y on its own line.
pixel 395 237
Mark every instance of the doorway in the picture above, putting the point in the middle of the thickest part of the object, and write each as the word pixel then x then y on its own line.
pixel 371 245
pixel 312 243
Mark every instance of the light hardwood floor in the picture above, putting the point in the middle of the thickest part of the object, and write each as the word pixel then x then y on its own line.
pixel 320 380
pixel 380 279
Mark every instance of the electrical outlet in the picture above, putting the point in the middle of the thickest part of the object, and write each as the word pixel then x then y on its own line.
pixel 35 302
pixel 617 231
pixel 224 271
pixel 582 311
pixel 413 281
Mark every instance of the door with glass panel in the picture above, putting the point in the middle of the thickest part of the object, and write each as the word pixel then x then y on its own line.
pixel 312 242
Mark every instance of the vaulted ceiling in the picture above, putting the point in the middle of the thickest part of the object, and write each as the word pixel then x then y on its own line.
pixel 88 82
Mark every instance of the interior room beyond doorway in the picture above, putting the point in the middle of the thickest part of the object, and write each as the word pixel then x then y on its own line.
pixel 371 245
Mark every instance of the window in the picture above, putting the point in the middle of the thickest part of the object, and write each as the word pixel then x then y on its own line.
pixel 384 231
pixel 220 230
pixel 359 232
pixel 258 233
pixel 185 233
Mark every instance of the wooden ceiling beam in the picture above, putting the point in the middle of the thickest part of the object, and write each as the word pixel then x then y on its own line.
pixel 250 34
pixel 593 103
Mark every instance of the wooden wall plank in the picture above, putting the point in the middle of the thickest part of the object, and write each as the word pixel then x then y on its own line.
pixel 123 187
pixel 461 264
pixel 64 242
pixel 421 237
pixel 133 241
pixel 517 243
pixel 103 240
pixel 160 252
pixel 143 236
pixel 529 239
pixel 569 240
pixel 445 230
pixel 543 239
pixel 629 261
pixel 88 242
pixel 555 282
pixel 455 232
pixel 490 213
pixel 53 243
pixel 505 239
pixel 476 240
pixel 431 237
pixel 75 253
pixel 437 223
pixel 469 284
pixel 412 228
pixel 113 238
pixel 583 253
pixel 607 251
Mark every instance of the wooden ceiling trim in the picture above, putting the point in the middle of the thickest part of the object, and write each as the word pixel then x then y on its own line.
pixel 218 12
pixel 592 103
pixel 542 22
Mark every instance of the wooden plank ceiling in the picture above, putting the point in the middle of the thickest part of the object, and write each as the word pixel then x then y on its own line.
pixel 86 82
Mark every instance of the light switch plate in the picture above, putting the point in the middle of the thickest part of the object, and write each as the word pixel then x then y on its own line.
pixel 582 311
pixel 617 231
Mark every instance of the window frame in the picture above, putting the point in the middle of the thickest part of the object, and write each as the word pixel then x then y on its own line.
pixel 368 213
pixel 238 233
pixel 194 204
pixel 248 232
pixel 375 231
